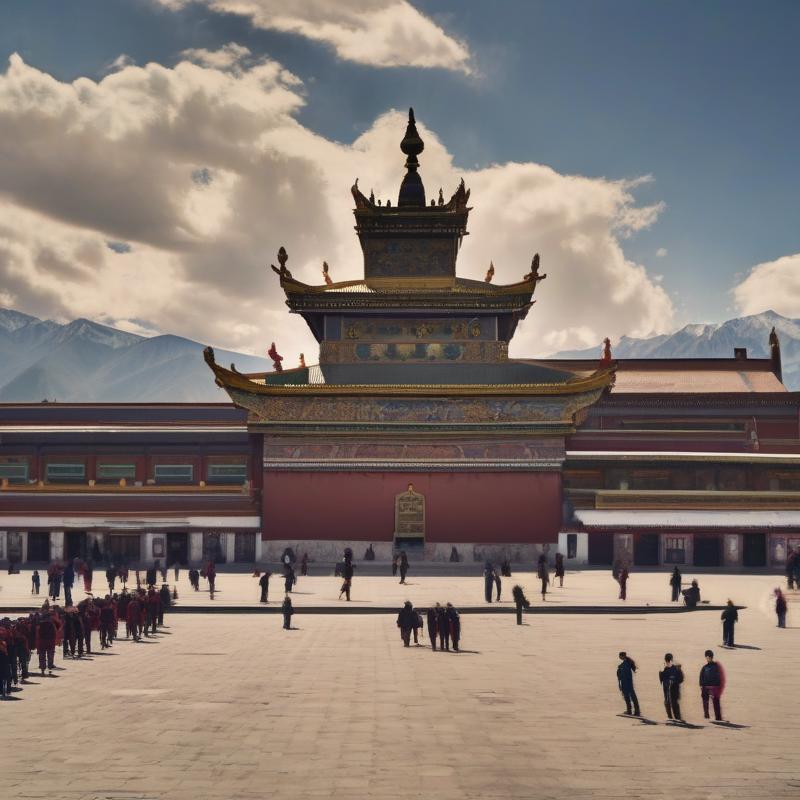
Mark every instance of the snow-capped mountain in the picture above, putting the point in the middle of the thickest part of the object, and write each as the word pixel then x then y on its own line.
pixel 716 341
pixel 84 361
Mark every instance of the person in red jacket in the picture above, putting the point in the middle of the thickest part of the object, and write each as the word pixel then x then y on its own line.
pixel 132 612
pixel 46 635
pixel 106 623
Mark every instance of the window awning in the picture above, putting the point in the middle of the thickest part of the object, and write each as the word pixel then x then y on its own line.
pixel 615 518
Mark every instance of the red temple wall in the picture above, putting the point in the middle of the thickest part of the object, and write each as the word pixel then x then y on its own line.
pixel 508 507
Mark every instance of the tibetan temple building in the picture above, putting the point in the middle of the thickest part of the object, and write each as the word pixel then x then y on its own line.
pixel 416 431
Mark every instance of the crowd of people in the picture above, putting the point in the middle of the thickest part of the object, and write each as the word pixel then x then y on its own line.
pixel 71 628
pixel 444 625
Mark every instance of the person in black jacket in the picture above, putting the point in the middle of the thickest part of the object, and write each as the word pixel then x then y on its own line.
pixel 625 670
pixel 712 683
pixel 520 601
pixel 263 582
pixel 671 678
pixel 488 581
pixel 408 621
pixel 729 617
pixel 675 583
pixel 432 625
pixel 498 584
pixel 403 566
pixel 443 626
pixel 287 610
pixel 691 596
pixel 454 623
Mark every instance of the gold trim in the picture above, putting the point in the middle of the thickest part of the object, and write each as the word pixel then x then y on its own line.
pixel 416 285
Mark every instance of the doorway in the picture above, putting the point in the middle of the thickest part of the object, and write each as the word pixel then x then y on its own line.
pixel 645 549
pixel 178 549
pixel 707 551
pixel 123 548
pixel 601 548
pixel 39 547
pixel 754 550
pixel 75 545
pixel 245 548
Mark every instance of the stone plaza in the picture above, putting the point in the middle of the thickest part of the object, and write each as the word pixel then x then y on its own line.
pixel 232 706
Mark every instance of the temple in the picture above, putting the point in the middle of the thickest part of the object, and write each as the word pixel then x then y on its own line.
pixel 416 430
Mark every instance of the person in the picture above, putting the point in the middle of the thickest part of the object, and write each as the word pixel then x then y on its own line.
pixel 150 575
pixel 712 684
pixel 132 617
pixel 729 617
pixel 797 567
pixel 35 582
pixel 407 621
pixel 616 568
pixel 211 577
pixel 453 555
pixel 164 602
pixel 543 573
pixel 5 669
pixel 88 574
pixel 288 577
pixel 625 670
pixel 691 596
pixel 780 607
pixel 111 578
pixel 176 568
pixel 304 565
pixel 394 565
pixel 69 582
pixel 443 626
pixel 505 568
pixel 675 583
pixel 454 621
pixel 498 584
pixel 623 582
pixel 287 610
pixel 347 579
pixel 671 678
pixel 106 623
pixel 559 571
pixel 163 569
pixel 369 553
pixel 403 566
pixel 46 635
pixel 264 584
pixel 432 625
pixel 194 578
pixel 488 581
pixel 520 601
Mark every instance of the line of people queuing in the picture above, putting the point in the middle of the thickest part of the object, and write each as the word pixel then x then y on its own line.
pixel 444 626
pixel 72 628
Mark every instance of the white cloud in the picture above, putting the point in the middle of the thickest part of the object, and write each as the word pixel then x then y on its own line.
pixel 661 252
pixel 380 33
pixel 204 172
pixel 771 285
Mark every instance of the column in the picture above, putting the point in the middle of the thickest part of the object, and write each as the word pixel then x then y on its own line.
pixel 56 545
pixel 195 547
pixel 3 545
pixel 24 559
pixel 230 547
pixel 147 554
pixel 258 547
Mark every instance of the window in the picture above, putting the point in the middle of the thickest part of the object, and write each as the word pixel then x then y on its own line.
pixel 675 550
pixel 112 473
pixel 235 473
pixel 174 473
pixel 66 473
pixel 14 471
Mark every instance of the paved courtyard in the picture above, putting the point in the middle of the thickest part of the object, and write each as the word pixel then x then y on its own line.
pixel 234 707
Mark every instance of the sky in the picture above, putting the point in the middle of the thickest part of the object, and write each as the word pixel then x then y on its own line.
pixel 154 154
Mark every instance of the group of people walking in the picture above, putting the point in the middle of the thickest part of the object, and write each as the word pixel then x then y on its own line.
pixel 711 682
pixel 444 625
pixel 72 628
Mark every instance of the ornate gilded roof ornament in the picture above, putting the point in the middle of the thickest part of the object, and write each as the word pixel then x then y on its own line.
pixel 325 273
pixel 358 196
pixel 302 361
pixel 534 275
pixel 276 359
pixel 605 359
pixel 489 272
pixel 283 272
pixel 775 354
pixel 412 192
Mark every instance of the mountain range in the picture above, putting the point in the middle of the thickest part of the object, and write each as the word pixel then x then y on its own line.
pixel 84 361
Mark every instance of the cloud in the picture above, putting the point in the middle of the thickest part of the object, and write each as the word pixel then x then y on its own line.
pixel 380 33
pixel 771 285
pixel 204 172
pixel 661 252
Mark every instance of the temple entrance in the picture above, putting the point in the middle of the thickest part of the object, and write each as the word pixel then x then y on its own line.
pixel 212 548
pixel 754 550
pixel 244 548
pixel 123 548
pixel 601 549
pixel 39 547
pixel 75 545
pixel 409 520
pixel 645 549
pixel 707 551
pixel 178 549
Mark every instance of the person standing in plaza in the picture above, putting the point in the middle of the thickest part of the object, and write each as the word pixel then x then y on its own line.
pixel 671 678
pixel 407 621
pixel 559 569
pixel 625 670
pixel 543 573
pixel 35 582
pixel 498 583
pixel 88 575
pixel 454 625
pixel 263 582
pixel 443 626
pixel 347 579
pixel 395 561
pixel 194 579
pixel 403 566
pixel 488 581
pixel 211 577
pixel 729 617
pixel 780 608
pixel 69 582
pixel 432 625
pixel 520 601
pixel 287 610
pixel 712 684
pixel 288 577
pixel 304 565
pixel 46 635
pixel 623 582
pixel 111 578
pixel 675 584
pixel 791 558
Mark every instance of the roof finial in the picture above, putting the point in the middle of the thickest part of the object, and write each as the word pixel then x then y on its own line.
pixel 326 273
pixel 775 354
pixel 605 359
pixel 489 272
pixel 412 192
